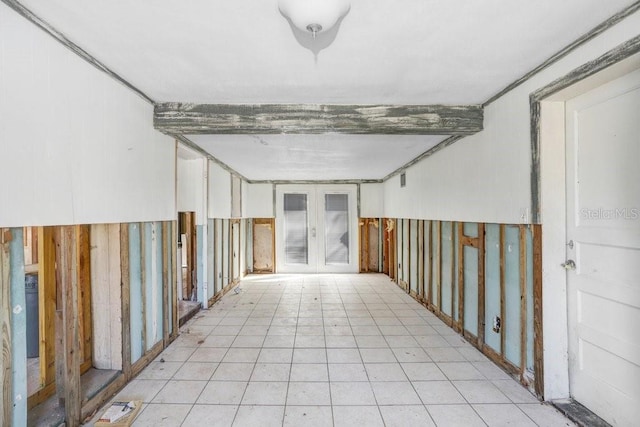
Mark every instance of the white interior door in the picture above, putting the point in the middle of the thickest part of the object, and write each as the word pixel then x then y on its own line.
pixel 316 227
pixel 603 244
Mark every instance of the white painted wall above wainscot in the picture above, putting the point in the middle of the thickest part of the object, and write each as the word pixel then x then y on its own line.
pixel 258 201
pixel 486 177
pixel 371 200
pixel 219 191
pixel 191 195
pixel 76 146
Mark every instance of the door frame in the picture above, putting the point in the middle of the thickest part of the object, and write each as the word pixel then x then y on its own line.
pixel 548 202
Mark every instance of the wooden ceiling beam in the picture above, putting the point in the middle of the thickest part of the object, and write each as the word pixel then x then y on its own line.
pixel 192 119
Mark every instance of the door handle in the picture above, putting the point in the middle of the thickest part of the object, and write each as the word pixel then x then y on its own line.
pixel 313 232
pixel 568 265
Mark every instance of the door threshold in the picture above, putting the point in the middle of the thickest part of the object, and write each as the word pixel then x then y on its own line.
pixel 579 413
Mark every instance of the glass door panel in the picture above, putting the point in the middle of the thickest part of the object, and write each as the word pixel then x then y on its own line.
pixel 336 229
pixel 296 229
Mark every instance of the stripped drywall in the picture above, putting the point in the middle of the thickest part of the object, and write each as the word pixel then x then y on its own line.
pixel 478 278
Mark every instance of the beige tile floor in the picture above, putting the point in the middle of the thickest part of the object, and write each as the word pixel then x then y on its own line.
pixel 327 350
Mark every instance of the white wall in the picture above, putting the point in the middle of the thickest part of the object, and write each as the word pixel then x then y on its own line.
pixel 191 195
pixel 485 177
pixel 76 146
pixel 258 201
pixel 219 192
pixel 371 200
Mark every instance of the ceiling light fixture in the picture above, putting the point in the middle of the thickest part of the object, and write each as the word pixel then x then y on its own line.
pixel 314 16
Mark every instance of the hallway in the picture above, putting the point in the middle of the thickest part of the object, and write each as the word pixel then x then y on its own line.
pixel 303 350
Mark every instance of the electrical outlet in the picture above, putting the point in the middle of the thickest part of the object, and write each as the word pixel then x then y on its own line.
pixel 496 324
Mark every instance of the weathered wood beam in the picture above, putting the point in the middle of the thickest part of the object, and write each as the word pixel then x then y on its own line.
pixel 189 119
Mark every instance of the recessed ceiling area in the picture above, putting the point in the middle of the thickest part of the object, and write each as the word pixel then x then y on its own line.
pixel 315 157
pixel 400 53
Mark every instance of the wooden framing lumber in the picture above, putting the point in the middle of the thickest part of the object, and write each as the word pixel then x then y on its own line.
pixel 538 351
pixel 126 300
pixel 47 303
pixel 460 323
pixel 439 263
pixel 166 303
pixel 481 288
pixel 452 272
pixel 174 279
pixel 83 267
pixel 523 300
pixel 6 403
pixel 66 258
pixel 190 119
pixel 420 285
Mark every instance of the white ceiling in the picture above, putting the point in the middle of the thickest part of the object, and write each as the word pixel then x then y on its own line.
pixel 386 51
pixel 326 157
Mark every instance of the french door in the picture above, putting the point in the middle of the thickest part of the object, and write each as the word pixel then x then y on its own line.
pixel 316 229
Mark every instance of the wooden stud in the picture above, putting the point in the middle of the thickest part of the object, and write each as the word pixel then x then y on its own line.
pixel 469 241
pixel 125 286
pixel 47 303
pixel 6 403
pixel 65 260
pixel 433 258
pixel 420 286
pixel 523 301
pixel 453 271
pixel 83 263
pixel 538 349
pixel 460 277
pixel 364 245
pixel 166 303
pixel 481 290
pixel 407 280
pixel 439 263
pixel 504 324
pixel 174 280
pixel 59 346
